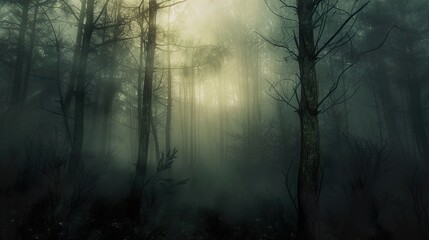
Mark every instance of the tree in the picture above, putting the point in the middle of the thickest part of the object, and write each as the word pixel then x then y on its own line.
pixel 308 176
pixel 199 62
pixel 146 111
pixel 412 77
pixel 79 110
pixel 406 79
pixel 21 53
pixel 76 54
pixel 111 83
pixel 169 89
pixel 30 53
pixel 313 42
pixel 144 108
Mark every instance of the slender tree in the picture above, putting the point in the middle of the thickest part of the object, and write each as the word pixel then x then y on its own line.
pixel 76 54
pixel 308 175
pixel 169 89
pixel 80 91
pixel 313 42
pixel 111 84
pixel 21 53
pixel 144 109
pixel 29 61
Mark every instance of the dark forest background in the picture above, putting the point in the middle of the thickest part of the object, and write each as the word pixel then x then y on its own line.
pixel 203 119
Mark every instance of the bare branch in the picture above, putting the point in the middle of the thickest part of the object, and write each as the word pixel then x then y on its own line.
pixel 101 12
pixel 161 4
pixel 286 178
pixel 334 36
pixel 282 96
pixel 335 85
pixel 65 2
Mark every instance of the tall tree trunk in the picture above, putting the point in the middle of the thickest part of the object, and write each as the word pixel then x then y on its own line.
pixel 76 56
pixel 110 86
pixel 28 66
pixel 308 179
pixel 155 138
pixel 192 124
pixel 147 92
pixel 384 93
pixel 95 138
pixel 169 92
pixel 21 54
pixel 414 102
pixel 222 119
pixel 145 115
pixel 416 116
pixel 249 138
pixel 184 118
pixel 140 86
pixel 79 114
pixel 108 97
pixel 257 88
pixel 60 91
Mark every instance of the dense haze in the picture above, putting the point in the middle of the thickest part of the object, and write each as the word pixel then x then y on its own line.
pixel 214 119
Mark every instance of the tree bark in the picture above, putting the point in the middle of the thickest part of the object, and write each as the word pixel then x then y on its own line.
pixel 169 93
pixel 28 66
pixel 416 115
pixel 155 138
pixel 21 54
pixel 308 179
pixel 147 92
pixel 110 86
pixel 108 97
pixel 144 116
pixel 388 106
pixel 76 56
pixel 192 125
pixel 79 114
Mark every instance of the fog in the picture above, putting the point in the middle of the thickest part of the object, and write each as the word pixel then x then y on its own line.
pixel 205 119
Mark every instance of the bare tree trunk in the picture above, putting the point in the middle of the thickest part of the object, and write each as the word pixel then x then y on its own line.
pixel 140 87
pixel 414 103
pixel 95 133
pixel 76 56
pixel 169 93
pixel 192 124
pixel 110 86
pixel 248 139
pixel 60 93
pixel 377 109
pixel 58 81
pixel 155 138
pixel 28 66
pixel 108 97
pixel 257 88
pixel 184 119
pixel 21 54
pixel 145 116
pixel 384 93
pixel 222 117
pixel 79 114
pixel 308 179
pixel 147 92
pixel 417 118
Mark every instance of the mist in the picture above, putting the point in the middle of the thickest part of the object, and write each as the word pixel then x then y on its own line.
pixel 204 119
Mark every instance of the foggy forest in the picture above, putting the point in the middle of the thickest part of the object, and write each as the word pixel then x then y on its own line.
pixel 214 119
